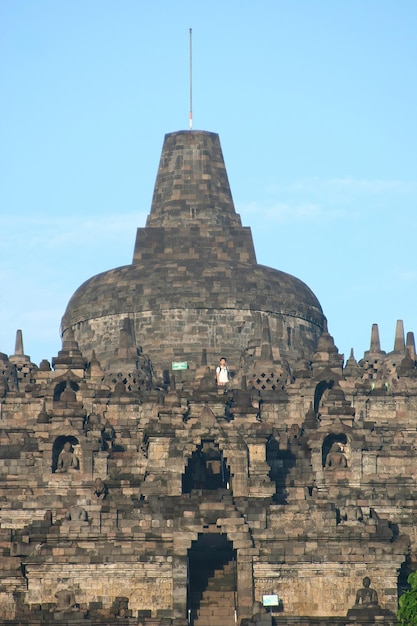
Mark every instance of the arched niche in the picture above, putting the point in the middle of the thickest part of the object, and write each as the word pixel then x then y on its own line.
pixel 281 461
pixel 319 391
pixel 332 440
pixel 206 469
pixel 211 577
pixel 58 446
pixel 60 387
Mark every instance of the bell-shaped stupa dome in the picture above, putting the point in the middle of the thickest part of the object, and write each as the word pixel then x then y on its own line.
pixel 194 283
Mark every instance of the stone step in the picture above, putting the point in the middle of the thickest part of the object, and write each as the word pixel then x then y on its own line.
pixel 216 606
pixel 216 599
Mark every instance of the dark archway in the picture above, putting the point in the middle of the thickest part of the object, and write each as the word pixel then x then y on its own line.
pixel 206 469
pixel 281 462
pixel 319 391
pixel 211 579
pixel 405 571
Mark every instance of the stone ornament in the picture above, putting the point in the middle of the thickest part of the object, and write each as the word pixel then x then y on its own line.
pixel 336 459
pixel 67 460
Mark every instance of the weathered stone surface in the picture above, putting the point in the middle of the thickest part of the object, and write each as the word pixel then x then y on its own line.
pixel 194 283
pixel 134 493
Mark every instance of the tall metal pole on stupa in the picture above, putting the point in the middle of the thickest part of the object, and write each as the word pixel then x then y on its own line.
pixel 191 78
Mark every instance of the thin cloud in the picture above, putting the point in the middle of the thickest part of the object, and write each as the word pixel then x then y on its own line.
pixel 282 212
pixel 297 212
pixel 350 185
pixel 405 275
pixel 53 232
pixel 315 200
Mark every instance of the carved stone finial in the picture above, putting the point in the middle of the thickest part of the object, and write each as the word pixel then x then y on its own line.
pixel 19 358
pixel 45 366
pixel 410 345
pixel 43 417
pixel 407 366
pixel 266 346
pixel 18 350
pixel 399 343
pixel 375 342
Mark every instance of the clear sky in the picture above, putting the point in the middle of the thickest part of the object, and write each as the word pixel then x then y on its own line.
pixel 315 102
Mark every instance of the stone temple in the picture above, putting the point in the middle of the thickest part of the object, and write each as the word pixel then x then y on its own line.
pixel 136 489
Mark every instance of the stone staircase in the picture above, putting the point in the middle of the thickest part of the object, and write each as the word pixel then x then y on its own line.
pixel 216 607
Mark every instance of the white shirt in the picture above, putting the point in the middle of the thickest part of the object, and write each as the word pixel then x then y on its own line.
pixel 222 374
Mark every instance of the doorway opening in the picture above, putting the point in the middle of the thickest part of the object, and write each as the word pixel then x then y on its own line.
pixel 212 580
pixel 206 469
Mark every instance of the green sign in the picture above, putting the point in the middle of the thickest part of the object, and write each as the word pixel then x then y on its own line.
pixel 179 365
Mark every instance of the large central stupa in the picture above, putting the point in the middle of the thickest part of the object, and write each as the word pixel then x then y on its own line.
pixel 194 286
pixel 137 489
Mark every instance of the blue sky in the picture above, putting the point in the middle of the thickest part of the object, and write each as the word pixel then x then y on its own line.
pixel 314 101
